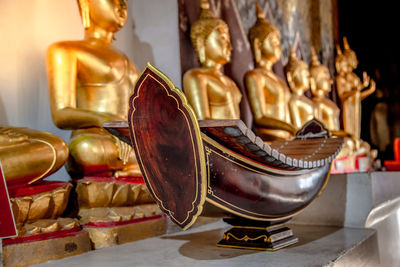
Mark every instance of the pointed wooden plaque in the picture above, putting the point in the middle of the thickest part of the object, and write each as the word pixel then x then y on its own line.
pixel 166 138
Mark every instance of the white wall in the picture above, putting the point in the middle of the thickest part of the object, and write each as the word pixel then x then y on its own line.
pixel 28 27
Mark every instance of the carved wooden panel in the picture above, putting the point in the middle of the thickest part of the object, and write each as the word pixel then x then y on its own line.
pixel 167 142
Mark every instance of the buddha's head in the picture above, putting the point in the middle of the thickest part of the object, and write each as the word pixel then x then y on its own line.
pixel 210 37
pixel 341 63
pixel 109 15
pixel 265 39
pixel 297 73
pixel 350 54
pixel 319 75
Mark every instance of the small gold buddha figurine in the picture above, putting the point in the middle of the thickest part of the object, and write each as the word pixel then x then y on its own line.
pixel 212 94
pixel 352 103
pixel 351 92
pixel 321 83
pixel 300 107
pixel 268 94
pixel 90 82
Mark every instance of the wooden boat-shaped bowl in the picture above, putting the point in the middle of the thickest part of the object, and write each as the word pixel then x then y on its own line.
pixel 219 167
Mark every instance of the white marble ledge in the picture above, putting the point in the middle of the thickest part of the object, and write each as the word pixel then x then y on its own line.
pixel 354 200
pixel 318 246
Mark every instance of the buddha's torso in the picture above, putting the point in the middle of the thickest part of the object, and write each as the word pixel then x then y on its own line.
pixel 222 93
pixel 276 94
pixel 328 113
pixel 351 105
pixel 302 110
pixel 354 80
pixel 105 78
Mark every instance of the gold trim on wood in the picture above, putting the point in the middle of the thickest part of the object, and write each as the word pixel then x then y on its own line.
pixel 247 238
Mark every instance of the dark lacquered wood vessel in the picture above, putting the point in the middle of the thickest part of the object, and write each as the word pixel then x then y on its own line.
pixel 219 168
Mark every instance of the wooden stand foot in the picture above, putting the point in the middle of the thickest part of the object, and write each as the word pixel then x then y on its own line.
pixel 247 234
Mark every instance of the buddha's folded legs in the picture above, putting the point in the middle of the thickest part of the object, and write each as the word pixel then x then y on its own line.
pixel 28 155
pixel 95 151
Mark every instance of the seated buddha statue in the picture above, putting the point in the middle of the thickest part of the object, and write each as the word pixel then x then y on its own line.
pixel 212 94
pixel 90 82
pixel 268 94
pixel 326 110
pixel 301 108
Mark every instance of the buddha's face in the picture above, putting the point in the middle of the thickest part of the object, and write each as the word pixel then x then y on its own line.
pixel 301 76
pixel 218 46
pixel 323 79
pixel 271 47
pixel 110 15
pixel 342 65
pixel 351 59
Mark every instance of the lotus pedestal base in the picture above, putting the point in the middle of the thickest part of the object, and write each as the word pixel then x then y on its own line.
pixel 111 234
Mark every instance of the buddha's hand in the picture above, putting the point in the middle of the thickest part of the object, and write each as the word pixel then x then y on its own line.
pixel 372 86
pixel 124 150
pixel 366 79
pixel 9 136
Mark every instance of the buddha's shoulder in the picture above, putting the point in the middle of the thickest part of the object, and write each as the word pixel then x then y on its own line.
pixel 260 73
pixel 70 46
pixel 195 74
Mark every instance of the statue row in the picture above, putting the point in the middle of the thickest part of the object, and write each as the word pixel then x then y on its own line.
pixel 277 110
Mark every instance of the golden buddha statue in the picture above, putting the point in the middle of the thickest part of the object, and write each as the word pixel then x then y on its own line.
pixel 90 82
pixel 301 108
pixel 211 94
pixel 268 94
pixel 325 109
pixel 352 104
pixel 351 92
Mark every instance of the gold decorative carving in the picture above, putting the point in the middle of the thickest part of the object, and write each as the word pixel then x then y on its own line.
pixel 94 194
pixel 47 205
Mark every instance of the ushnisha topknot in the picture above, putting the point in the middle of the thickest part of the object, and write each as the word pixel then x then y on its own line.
pixel 349 53
pixel 315 65
pixel 203 27
pixel 294 62
pixel 338 50
pixel 316 68
pixel 340 58
pixel 262 28
pixel 314 58
pixel 346 44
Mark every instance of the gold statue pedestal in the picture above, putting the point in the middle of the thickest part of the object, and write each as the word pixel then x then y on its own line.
pixel 42 234
pixel 117 210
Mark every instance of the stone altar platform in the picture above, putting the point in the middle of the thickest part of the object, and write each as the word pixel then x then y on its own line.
pixel 318 246
pixel 361 200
